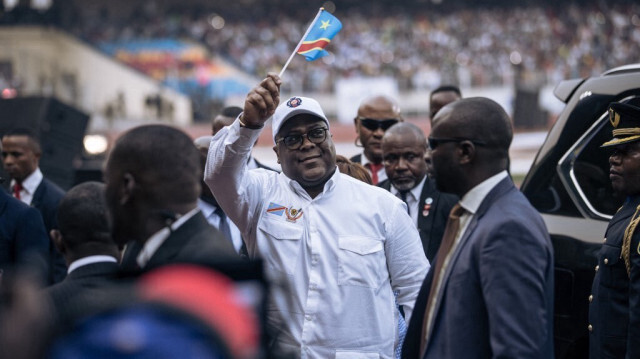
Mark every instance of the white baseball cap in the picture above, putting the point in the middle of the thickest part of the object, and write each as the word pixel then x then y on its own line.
pixel 295 106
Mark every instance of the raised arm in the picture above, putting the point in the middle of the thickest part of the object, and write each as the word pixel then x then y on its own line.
pixel 237 190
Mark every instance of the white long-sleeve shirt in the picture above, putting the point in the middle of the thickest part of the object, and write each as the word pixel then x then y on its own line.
pixel 335 259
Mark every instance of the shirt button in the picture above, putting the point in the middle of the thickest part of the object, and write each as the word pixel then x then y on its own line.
pixel 307 317
pixel 606 261
pixel 590 298
pixel 590 327
pixel 313 286
pixel 605 240
pixel 597 267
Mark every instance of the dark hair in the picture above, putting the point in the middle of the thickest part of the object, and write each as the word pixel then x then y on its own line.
pixel 34 141
pixel 353 169
pixel 163 160
pixel 231 111
pixel 446 88
pixel 82 215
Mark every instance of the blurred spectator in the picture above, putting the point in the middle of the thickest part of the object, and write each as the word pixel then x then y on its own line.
pixel 442 96
pixel 421 46
pixel 152 179
pixel 85 241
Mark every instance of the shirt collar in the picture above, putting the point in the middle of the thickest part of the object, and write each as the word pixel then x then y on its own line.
pixel 471 200
pixel 157 239
pixel 90 260
pixel 415 191
pixel 297 188
pixel 206 208
pixel 31 183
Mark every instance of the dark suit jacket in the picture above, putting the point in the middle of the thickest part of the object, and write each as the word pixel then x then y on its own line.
pixel 431 226
pixel 46 199
pixel 497 292
pixel 22 234
pixel 614 308
pixel 90 277
pixel 194 241
pixel 357 158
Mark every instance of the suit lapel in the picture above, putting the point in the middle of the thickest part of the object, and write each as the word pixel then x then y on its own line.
pixel 498 191
pixel 38 195
pixel 425 223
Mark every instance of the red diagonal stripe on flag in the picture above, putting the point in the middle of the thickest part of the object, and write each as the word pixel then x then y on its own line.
pixel 308 46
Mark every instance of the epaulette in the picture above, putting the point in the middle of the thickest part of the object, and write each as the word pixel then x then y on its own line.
pixel 626 242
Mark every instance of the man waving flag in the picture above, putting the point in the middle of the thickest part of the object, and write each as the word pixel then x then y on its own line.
pixel 322 29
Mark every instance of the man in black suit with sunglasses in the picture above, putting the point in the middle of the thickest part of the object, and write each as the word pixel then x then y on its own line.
pixel 375 115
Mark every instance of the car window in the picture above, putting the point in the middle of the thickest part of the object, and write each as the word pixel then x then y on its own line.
pixel 591 172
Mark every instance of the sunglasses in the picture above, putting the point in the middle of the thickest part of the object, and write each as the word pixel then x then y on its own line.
pixel 373 125
pixel 435 142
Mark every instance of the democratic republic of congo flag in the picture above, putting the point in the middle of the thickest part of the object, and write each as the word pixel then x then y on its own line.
pixel 323 30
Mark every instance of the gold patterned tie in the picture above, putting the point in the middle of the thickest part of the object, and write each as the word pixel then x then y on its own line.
pixel 450 232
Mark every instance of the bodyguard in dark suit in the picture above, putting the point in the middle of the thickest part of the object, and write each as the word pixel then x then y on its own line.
pixel 21 156
pixel 23 239
pixel 85 241
pixel 152 179
pixel 614 309
pixel 403 151
pixel 489 293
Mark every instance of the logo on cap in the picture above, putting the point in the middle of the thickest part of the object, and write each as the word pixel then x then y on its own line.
pixel 294 102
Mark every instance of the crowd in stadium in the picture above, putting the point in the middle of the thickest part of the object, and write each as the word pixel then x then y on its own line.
pixel 419 48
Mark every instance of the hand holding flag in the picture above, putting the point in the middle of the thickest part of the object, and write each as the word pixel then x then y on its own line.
pixel 322 29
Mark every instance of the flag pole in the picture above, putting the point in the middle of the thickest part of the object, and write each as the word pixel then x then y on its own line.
pixel 300 43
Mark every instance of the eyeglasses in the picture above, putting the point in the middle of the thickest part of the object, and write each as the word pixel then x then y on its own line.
pixel 315 136
pixel 435 142
pixel 410 157
pixel 373 124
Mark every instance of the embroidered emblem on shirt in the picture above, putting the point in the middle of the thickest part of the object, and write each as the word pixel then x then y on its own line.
pixel 276 209
pixel 293 214
pixel 294 102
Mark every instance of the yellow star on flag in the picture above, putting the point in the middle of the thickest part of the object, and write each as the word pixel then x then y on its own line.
pixel 325 24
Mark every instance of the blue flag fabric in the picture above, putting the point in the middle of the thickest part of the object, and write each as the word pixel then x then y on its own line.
pixel 324 29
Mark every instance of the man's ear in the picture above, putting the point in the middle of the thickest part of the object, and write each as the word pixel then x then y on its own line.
pixel 467 152
pixel 275 149
pixel 128 188
pixel 56 238
pixel 356 122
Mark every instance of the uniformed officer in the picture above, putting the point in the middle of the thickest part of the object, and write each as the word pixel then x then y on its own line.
pixel 614 311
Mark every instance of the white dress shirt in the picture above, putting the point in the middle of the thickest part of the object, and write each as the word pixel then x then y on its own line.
pixel 471 201
pixel 90 260
pixel 335 260
pixel 209 212
pixel 157 239
pixel 413 197
pixel 29 186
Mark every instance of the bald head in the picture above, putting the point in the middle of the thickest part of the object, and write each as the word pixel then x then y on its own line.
pixel 379 107
pixel 375 115
pixel 469 143
pixel 406 131
pixel 152 174
pixel 162 159
pixel 477 118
